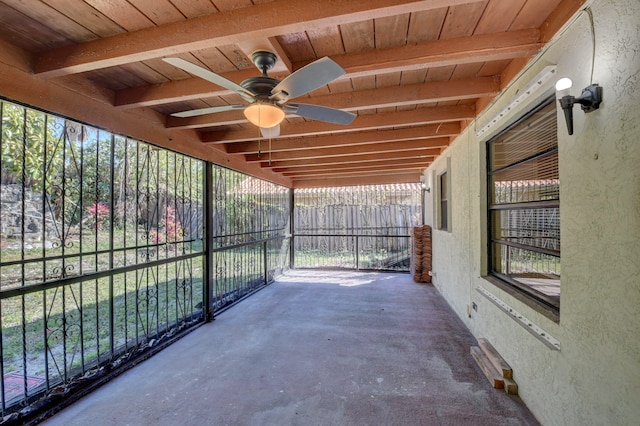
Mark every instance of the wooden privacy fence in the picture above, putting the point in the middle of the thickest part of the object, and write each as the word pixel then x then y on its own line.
pixel 355 227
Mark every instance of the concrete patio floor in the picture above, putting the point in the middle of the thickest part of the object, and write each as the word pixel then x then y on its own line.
pixel 314 348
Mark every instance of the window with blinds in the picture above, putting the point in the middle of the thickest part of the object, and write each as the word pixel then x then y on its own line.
pixel 524 205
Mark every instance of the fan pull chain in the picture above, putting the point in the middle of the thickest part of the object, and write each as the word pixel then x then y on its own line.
pixel 269 151
pixel 259 140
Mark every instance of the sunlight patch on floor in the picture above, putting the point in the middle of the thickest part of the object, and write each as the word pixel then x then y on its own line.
pixel 341 278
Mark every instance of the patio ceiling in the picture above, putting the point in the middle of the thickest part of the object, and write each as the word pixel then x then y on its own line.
pixel 417 72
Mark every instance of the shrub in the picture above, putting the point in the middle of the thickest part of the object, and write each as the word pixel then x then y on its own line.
pixel 97 215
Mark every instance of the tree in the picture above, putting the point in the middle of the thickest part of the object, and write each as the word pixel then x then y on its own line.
pixel 24 137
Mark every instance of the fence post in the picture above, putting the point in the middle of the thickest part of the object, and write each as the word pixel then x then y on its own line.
pixel 357 252
pixel 265 262
pixel 292 257
pixel 208 242
pixel 112 177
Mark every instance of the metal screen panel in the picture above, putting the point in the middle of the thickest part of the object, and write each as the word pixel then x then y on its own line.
pixel 105 251
pixel 102 250
pixel 250 234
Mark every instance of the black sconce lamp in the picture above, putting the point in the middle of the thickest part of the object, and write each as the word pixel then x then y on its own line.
pixel 589 100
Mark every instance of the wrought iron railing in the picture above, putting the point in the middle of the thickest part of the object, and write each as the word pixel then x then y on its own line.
pixel 241 269
pixel 104 256
pixel 56 334
pixel 380 252
pixel 356 227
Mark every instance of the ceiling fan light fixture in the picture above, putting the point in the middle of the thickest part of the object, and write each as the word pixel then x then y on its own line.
pixel 264 115
pixel 268 97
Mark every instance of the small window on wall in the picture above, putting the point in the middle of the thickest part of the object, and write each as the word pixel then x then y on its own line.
pixel 443 190
pixel 524 206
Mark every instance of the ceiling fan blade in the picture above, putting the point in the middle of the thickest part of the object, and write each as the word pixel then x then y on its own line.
pixel 321 113
pixel 309 78
pixel 210 76
pixel 209 110
pixel 270 132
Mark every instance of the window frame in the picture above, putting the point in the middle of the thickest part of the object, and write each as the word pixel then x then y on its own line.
pixel 443 200
pixel 523 292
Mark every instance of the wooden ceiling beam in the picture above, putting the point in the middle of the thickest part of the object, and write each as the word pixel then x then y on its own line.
pixel 414 94
pixel 14 56
pixel 462 50
pixel 249 23
pixel 438 131
pixel 559 17
pixel 385 120
pixel 379 165
pixel 355 172
pixel 358 174
pixel 441 53
pixel 351 180
pixel 411 154
pixel 178 90
pixel 383 147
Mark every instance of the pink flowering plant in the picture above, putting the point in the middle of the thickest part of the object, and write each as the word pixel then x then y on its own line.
pixel 169 228
pixel 97 215
pixel 173 227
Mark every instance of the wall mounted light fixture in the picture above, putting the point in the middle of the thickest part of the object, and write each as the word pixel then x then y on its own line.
pixel 426 186
pixel 590 100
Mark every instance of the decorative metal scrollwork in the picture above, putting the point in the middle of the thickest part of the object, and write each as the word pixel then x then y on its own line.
pixel 61 272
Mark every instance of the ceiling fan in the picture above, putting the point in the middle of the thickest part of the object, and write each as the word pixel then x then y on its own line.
pixel 268 97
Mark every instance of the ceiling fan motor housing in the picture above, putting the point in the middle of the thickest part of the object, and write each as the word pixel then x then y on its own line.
pixel 260 86
pixel 263 85
pixel 264 60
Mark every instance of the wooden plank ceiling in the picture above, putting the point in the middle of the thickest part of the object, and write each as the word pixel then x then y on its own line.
pixel 417 72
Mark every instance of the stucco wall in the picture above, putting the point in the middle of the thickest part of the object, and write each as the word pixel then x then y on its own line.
pixel 594 379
